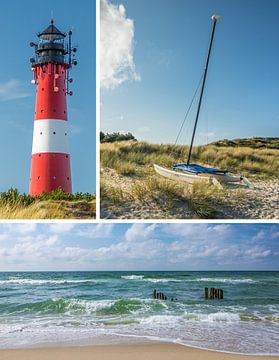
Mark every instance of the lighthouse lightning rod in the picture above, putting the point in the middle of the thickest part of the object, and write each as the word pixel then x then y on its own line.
pixel 214 18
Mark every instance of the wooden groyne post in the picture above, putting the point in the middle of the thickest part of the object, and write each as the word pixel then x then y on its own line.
pixel 159 295
pixel 213 294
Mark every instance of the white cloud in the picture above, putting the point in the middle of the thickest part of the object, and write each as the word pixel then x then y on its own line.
pixel 198 231
pixel 116 46
pixel 3 237
pixel 141 246
pixel 95 231
pixel 61 227
pixel 140 231
pixel 83 230
pixel 257 252
pixel 52 240
pixel 21 229
pixel 208 134
pixel 13 89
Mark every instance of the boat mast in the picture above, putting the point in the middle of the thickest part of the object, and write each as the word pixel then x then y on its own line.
pixel 214 18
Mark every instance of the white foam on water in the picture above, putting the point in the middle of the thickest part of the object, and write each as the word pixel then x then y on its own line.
pixel 132 277
pixel 226 280
pixel 219 317
pixel 152 280
pixel 162 280
pixel 21 281
pixel 220 333
pixel 88 306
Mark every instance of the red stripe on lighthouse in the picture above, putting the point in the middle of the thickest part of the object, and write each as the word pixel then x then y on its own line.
pixel 51 92
pixel 50 166
pixel 50 171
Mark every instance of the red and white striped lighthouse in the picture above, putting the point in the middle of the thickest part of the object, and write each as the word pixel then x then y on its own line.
pixel 50 165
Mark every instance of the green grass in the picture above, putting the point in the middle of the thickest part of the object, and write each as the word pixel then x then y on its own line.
pixel 136 158
pixel 255 142
pixel 54 205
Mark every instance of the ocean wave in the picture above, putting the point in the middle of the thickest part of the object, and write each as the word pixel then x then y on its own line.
pixel 75 307
pixel 128 307
pixel 148 279
pixel 256 317
pixel 59 306
pixel 22 281
pixel 226 280
pixel 213 317
pixel 166 320
pixel 162 280
pixel 132 277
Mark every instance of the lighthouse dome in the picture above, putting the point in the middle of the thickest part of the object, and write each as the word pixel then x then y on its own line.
pixel 51 33
pixel 50 48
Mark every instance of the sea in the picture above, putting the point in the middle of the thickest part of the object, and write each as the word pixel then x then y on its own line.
pixel 97 308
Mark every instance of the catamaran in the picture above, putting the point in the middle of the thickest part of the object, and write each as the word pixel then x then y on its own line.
pixel 190 172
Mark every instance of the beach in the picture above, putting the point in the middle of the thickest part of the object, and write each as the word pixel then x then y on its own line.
pixel 241 202
pixel 106 308
pixel 152 351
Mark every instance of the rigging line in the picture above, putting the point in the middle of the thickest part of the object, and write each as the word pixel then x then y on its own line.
pixel 186 140
pixel 189 108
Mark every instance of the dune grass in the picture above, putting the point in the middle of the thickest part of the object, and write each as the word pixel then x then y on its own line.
pixel 137 158
pixel 132 163
pixel 53 205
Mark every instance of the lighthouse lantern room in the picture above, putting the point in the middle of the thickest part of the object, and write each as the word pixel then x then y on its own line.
pixel 50 164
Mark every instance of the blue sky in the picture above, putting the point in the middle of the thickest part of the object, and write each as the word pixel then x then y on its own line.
pixel 169 45
pixel 69 246
pixel 20 22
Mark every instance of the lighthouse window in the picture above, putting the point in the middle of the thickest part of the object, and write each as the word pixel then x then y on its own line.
pixel 68 178
pixel 65 134
pixel 64 112
pixel 54 132
pixel 42 110
pixel 38 177
pixel 41 133
pixel 67 156
pixel 43 89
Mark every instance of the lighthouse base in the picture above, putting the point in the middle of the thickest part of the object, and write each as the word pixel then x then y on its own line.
pixel 50 171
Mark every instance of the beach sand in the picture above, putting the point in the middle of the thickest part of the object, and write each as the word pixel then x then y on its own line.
pixel 149 351
pixel 258 203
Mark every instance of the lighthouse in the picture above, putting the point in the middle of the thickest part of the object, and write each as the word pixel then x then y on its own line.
pixel 50 164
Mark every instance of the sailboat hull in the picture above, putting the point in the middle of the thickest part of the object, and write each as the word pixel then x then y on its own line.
pixel 216 180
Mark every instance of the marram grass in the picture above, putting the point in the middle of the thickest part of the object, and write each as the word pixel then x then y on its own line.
pixel 251 162
pixel 53 205
pixel 129 181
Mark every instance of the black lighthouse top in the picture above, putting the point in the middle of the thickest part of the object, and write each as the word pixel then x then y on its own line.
pixel 51 33
pixel 51 47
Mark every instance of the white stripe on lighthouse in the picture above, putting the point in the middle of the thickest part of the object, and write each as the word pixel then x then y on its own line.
pixel 50 135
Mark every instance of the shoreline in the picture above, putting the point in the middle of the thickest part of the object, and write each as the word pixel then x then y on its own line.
pixel 135 351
